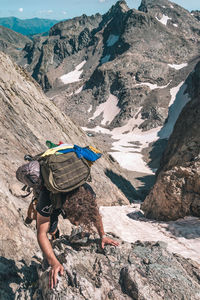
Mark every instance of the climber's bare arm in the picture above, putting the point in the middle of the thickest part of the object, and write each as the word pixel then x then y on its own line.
pixel 43 224
pixel 104 239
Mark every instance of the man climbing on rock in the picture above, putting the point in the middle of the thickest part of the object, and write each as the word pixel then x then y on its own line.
pixel 58 178
pixel 80 207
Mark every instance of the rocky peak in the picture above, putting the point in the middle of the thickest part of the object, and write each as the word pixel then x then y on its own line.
pixel 120 6
pixel 172 13
pixel 116 12
pixel 75 26
pixel 149 4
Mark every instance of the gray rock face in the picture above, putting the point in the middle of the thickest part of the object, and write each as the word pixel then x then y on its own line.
pixel 196 14
pixel 66 38
pixel 176 191
pixel 131 271
pixel 12 43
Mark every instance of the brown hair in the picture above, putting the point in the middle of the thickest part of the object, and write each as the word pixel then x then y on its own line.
pixel 80 207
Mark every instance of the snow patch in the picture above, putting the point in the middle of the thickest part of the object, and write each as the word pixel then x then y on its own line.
pixel 109 109
pixel 174 92
pixel 105 59
pixel 129 142
pixel 97 129
pixel 90 108
pixel 175 25
pixel 131 161
pixel 131 125
pixel 73 76
pixel 112 40
pixel 182 236
pixel 153 86
pixel 79 90
pixel 129 139
pixel 164 19
pixel 178 67
pixel 178 100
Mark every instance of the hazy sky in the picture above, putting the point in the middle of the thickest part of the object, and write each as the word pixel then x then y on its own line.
pixel 64 9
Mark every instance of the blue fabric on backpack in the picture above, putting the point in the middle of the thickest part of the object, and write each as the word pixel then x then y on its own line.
pixel 86 153
pixel 82 152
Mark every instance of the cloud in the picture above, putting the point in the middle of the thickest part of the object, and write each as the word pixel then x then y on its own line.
pixel 64 12
pixel 102 1
pixel 21 9
pixel 50 11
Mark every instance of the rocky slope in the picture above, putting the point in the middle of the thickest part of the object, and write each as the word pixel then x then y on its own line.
pixel 27 120
pixel 196 14
pixel 176 191
pixel 131 271
pixel 12 42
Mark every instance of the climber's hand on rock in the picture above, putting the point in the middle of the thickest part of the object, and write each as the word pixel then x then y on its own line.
pixel 55 269
pixel 108 241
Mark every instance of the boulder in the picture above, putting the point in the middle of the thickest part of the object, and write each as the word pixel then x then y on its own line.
pixel 140 271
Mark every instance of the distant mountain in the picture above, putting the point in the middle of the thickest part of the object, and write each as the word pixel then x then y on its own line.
pixel 28 26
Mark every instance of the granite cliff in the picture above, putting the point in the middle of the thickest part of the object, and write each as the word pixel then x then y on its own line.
pixel 176 191
pixel 12 43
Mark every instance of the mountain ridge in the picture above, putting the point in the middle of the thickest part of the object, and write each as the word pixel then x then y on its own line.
pixel 28 26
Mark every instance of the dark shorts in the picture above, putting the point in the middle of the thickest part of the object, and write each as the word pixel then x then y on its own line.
pixel 44 207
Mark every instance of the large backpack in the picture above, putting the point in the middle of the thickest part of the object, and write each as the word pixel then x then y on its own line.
pixel 64 172
pixel 63 168
pixel 58 172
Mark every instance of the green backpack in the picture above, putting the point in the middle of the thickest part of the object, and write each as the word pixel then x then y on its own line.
pixel 64 173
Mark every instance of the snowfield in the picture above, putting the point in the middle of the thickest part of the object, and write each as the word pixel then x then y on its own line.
pixel 178 67
pixel 129 140
pixel 164 19
pixel 128 223
pixel 73 76
pixel 109 109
